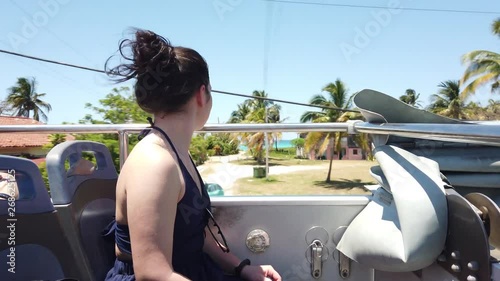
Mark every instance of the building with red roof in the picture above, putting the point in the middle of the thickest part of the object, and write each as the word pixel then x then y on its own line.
pixel 30 145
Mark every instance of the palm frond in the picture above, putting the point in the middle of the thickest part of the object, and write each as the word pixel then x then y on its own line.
pixel 495 27
pixel 479 82
pixel 324 144
pixel 312 139
pixel 310 116
pixel 319 100
pixel 478 55
pixel 479 67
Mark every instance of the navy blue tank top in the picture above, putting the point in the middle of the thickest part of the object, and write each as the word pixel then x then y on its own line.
pixel 188 258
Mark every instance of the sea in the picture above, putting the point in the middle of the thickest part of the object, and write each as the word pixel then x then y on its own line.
pixel 281 144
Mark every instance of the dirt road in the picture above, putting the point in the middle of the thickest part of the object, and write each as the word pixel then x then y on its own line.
pixel 220 170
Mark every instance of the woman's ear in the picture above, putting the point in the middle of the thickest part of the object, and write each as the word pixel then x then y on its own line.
pixel 201 96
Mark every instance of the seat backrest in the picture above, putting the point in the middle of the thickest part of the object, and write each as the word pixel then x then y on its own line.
pixel 404 226
pixel 85 199
pixel 32 242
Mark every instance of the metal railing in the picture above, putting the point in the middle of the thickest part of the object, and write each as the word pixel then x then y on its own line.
pixel 480 133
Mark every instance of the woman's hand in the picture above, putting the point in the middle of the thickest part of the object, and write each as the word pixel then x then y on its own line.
pixel 260 273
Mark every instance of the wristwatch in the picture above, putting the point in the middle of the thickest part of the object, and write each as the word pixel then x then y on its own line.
pixel 239 268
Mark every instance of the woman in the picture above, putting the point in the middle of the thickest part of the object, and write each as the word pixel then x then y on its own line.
pixel 162 209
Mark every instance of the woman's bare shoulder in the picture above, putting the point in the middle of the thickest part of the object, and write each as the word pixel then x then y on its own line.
pixel 150 162
pixel 148 154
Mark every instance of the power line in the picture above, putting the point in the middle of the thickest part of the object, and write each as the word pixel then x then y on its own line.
pixel 215 91
pixel 285 101
pixel 382 7
pixel 51 61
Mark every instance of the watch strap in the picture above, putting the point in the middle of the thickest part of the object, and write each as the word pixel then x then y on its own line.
pixel 239 268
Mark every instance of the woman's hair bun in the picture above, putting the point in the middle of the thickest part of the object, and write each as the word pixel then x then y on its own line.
pixel 148 52
pixel 152 50
pixel 167 76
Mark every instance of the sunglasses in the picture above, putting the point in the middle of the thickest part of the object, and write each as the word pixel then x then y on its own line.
pixel 223 246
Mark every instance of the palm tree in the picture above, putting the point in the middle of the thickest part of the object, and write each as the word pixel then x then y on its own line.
pixel 484 65
pixel 23 99
pixel 410 97
pixel 337 97
pixel 254 111
pixel 489 112
pixel 476 112
pixel 492 110
pixel 495 27
pixel 448 101
pixel 258 101
pixel 240 114
pixel 273 116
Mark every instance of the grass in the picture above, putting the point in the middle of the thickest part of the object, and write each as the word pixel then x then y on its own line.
pixel 280 162
pixel 285 153
pixel 281 157
pixel 348 177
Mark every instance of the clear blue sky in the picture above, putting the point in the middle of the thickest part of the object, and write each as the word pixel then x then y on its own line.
pixel 291 51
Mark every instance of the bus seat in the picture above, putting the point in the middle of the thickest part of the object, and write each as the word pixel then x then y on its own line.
pixel 84 196
pixel 32 243
pixel 404 226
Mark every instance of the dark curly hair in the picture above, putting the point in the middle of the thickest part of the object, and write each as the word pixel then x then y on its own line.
pixel 166 76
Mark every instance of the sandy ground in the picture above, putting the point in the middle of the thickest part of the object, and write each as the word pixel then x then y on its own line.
pixel 219 170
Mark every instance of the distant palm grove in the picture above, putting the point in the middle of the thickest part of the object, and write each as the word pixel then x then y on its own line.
pixel 450 99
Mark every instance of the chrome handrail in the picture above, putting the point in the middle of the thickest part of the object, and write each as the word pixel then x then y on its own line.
pixel 485 134
pixel 135 128
pixel 479 133
pixel 124 130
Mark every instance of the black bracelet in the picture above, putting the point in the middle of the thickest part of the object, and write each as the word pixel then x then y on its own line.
pixel 239 268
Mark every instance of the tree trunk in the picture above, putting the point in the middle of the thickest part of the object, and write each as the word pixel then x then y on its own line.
pixel 331 160
pixel 260 157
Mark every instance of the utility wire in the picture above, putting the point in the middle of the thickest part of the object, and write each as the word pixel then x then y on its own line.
pixel 382 7
pixel 215 91
pixel 285 101
pixel 51 61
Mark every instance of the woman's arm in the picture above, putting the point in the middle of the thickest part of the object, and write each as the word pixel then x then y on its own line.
pixel 152 187
pixel 227 261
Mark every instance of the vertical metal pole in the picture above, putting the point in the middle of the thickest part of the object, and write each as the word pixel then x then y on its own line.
pixel 123 143
pixel 267 149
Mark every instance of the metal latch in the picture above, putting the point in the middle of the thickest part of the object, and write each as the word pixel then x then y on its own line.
pixel 317 252
pixel 344 266
pixel 317 256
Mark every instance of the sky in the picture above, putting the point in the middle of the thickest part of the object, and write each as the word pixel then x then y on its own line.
pixel 291 51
